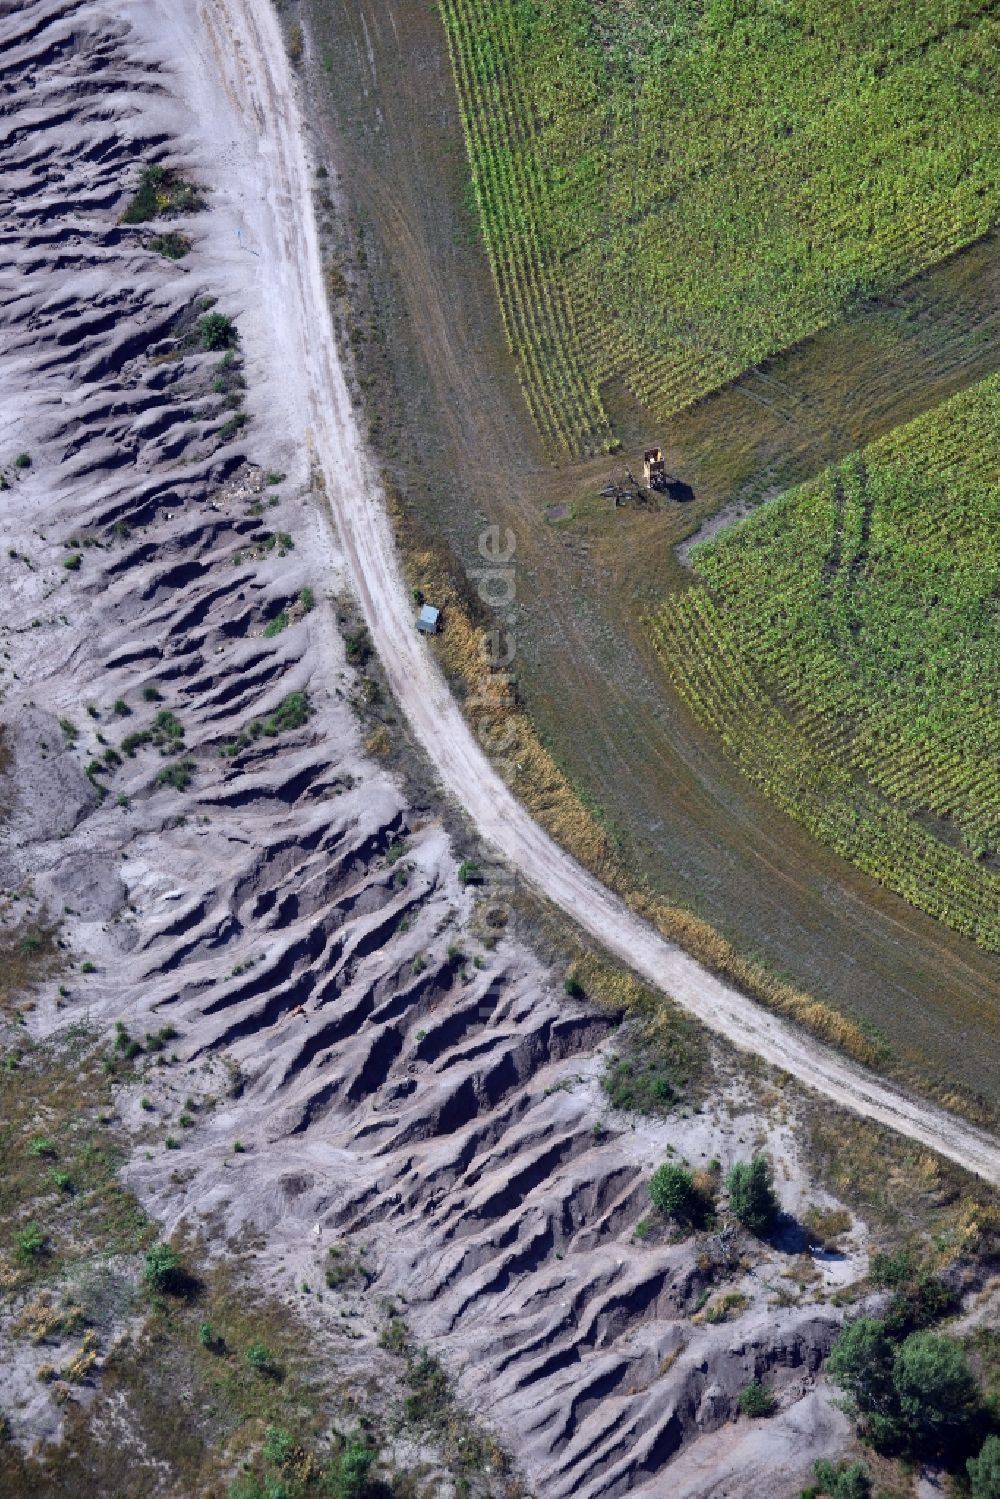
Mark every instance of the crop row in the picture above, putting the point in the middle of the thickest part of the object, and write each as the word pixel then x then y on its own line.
pixel 511 196
pixel 703 659
pixel 670 199
pixel 859 613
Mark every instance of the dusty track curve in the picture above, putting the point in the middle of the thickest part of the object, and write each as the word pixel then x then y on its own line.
pixel 259 76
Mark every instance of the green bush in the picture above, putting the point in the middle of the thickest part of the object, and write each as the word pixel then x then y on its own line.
pixel 751 1194
pixel 261 1359
pixel 276 625
pixel 23 460
pixel 30 1243
pixel 842 1481
pixel 144 203
pixel 173 246
pixel 984 1471
pixel 348 1475
pixel 756 1400
pixel 216 331
pixel 468 873
pixel 178 775
pixel 162 1269
pixel 671 1189
pixel 72 562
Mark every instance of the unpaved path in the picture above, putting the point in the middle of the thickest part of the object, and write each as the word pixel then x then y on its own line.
pixel 256 72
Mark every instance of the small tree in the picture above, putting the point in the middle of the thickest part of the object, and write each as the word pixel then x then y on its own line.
pixel 861 1363
pixel 672 1190
pixel 935 1387
pixel 984 1471
pixel 751 1194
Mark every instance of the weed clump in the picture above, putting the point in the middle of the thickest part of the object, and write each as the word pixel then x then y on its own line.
pixel 161 191
pixel 172 246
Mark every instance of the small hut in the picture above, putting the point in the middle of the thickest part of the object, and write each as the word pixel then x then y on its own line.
pixel 428 620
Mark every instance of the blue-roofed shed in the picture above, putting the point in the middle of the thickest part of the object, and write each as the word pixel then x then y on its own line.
pixel 428 620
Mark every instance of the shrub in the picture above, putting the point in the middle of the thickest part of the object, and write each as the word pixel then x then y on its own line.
pixel 984 1471
pixel 307 599
pixel 152 693
pixel 358 647
pixel 261 1360
pixel 671 1190
pixel 393 1335
pixel 468 873
pixel 144 204
pixel 216 331
pixel 42 1146
pixel 756 1400
pixel 177 776
pixel 349 1473
pixel 173 246
pixel 135 741
pixel 72 562
pixel 70 731
pixel 23 460
pixel 842 1481
pixel 276 625
pixel 61 1180
pixel 30 1243
pixel 572 987
pixel 279 1445
pixel 751 1194
pixel 162 1269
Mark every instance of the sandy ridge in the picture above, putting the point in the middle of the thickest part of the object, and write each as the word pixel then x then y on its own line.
pixel 265 84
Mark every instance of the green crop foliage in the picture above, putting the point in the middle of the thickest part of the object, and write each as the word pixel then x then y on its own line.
pixel 669 192
pixel 844 644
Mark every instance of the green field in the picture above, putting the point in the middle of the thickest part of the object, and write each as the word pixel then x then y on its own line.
pixel 844 642
pixel 671 191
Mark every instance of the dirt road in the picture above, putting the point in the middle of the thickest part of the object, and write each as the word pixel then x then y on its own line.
pixel 250 54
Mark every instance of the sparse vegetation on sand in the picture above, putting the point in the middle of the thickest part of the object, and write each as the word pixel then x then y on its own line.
pixel 161 193
pixel 172 246
pixel 844 643
pixel 669 193
pixel 291 713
